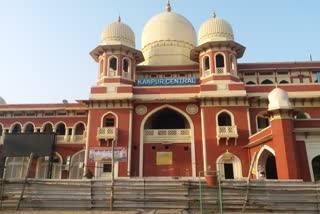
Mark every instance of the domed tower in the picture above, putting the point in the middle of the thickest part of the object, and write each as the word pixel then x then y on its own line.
pixel 217 52
pixel 168 39
pixel 116 55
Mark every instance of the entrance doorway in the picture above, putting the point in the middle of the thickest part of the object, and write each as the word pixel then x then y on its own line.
pixel 267 167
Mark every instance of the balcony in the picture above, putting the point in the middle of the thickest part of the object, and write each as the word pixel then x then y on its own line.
pixel 227 132
pixel 220 70
pixel 167 135
pixel 62 139
pixel 207 72
pixel 126 75
pixel 78 138
pixel 105 133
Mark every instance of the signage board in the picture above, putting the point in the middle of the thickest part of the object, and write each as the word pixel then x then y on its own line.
pixel 164 158
pixel 101 154
pixel 166 81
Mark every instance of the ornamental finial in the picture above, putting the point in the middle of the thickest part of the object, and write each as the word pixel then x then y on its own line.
pixel 168 7
pixel 119 18
pixel 214 15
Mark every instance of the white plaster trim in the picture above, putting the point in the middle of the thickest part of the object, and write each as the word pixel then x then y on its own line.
pixel 249 122
pixel 87 143
pixel 204 146
pixel 193 156
pixel 129 144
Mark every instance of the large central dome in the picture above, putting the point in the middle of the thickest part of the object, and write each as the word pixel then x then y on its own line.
pixel 167 39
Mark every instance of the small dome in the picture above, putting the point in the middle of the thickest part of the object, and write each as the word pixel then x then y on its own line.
pixel 215 29
pixel 278 99
pixel 118 33
pixel 168 39
pixel 2 101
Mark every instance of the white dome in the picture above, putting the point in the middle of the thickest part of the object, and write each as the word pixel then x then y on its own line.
pixel 168 39
pixel 278 99
pixel 2 101
pixel 215 29
pixel 118 33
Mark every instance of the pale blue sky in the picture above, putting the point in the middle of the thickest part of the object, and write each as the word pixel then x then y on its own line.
pixel 45 45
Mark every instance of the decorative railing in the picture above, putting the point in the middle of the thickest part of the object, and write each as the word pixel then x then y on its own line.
pixel 207 72
pixel 107 133
pixel 62 138
pixel 77 138
pixel 220 70
pixel 227 132
pixel 167 135
pixel 125 75
pixel 112 73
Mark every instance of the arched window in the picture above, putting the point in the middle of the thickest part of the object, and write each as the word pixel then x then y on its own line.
pixel 109 120
pixel 224 119
pixel 16 167
pixel 206 63
pixel 61 129
pixel 79 130
pixel 113 64
pixel 43 167
pixel 266 81
pixel 48 128
pixel 126 65
pixel 316 168
pixel 101 67
pixel 76 165
pixel 283 82
pixel 302 115
pixel 229 166
pixel 219 61
pixel 250 83
pixel 29 128
pixel 262 122
pixel 167 118
pixel 16 128
pixel 219 64
pixel 233 64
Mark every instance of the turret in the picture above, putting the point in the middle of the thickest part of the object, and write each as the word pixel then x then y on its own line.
pixel 116 55
pixel 217 52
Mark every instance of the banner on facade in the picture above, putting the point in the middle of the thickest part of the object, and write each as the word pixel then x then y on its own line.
pixel 164 158
pixel 166 81
pixel 101 154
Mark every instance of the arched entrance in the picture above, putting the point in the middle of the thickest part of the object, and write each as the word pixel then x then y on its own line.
pixel 316 168
pixel 267 167
pixel 229 166
pixel 167 145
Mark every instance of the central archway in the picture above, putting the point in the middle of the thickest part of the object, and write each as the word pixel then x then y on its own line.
pixel 167 143
pixel 267 167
